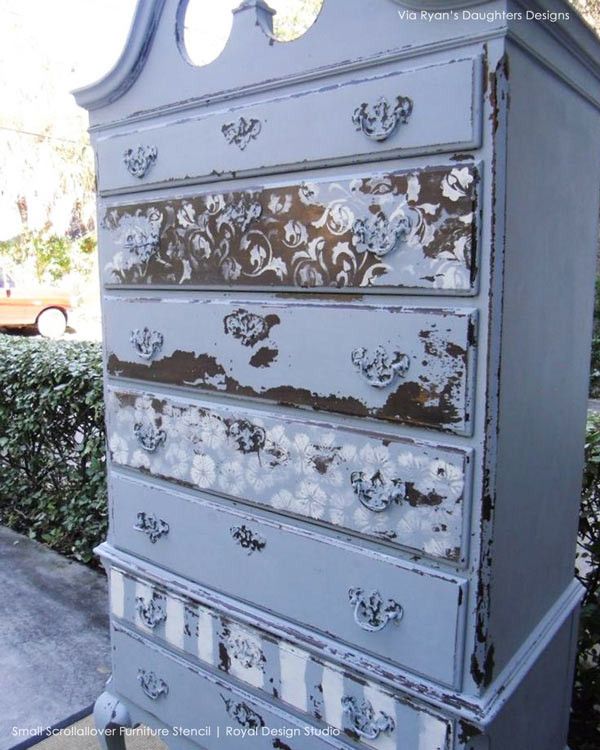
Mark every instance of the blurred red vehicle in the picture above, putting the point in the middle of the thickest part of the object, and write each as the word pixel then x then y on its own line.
pixel 29 305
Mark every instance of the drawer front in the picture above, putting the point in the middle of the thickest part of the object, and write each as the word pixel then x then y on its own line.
pixel 400 364
pixel 398 491
pixel 398 611
pixel 348 122
pixel 412 230
pixel 214 713
pixel 283 672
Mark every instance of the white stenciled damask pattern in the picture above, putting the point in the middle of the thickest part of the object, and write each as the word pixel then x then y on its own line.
pixel 301 468
pixel 408 229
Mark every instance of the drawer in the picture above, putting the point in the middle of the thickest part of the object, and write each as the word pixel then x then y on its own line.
pixel 400 364
pixel 398 611
pixel 403 230
pixel 398 491
pixel 279 671
pixel 213 712
pixel 347 122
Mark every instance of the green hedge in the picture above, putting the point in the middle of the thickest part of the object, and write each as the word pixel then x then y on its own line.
pixel 585 718
pixel 52 466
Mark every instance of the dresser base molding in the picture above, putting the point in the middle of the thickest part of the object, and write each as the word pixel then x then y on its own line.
pixel 565 609
pixel 477 713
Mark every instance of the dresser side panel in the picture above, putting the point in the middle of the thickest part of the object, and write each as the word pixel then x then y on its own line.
pixel 549 268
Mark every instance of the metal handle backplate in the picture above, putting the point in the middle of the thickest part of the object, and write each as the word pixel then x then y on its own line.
pixel 371 611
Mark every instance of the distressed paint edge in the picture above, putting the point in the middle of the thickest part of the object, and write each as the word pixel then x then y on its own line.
pixel 475 710
pixel 128 67
pixel 511 676
pixel 216 680
pixel 251 511
pixel 335 675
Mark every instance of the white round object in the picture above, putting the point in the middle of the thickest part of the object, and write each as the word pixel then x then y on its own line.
pixel 51 323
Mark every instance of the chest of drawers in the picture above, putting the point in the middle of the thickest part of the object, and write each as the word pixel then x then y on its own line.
pixel 347 308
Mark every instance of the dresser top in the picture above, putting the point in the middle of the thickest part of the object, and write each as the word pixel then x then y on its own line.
pixel 153 74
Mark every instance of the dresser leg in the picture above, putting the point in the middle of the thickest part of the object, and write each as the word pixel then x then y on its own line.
pixel 109 716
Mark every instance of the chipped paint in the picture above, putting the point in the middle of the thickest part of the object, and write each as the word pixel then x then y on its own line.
pixel 292 676
pixel 303 468
pixel 264 357
pixel 408 229
pixel 482 655
pixel 399 364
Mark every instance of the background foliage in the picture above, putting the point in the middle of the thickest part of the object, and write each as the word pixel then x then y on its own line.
pixel 585 719
pixel 52 467
pixel 50 257
pixel 590 10
pixel 595 363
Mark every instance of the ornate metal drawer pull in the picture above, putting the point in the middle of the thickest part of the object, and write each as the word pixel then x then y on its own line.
pixel 152 612
pixel 376 493
pixel 139 159
pixel 242 131
pixel 149 436
pixel 249 328
pixel 378 234
pixel 146 343
pixel 371 612
pixel 152 526
pixel 380 369
pixel 247 653
pixel 363 719
pixel 152 685
pixel 247 539
pixel 380 120
pixel 243 714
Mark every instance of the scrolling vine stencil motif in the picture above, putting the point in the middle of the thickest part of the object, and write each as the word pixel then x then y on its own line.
pixel 413 229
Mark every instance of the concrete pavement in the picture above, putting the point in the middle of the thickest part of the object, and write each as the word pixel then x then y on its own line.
pixel 54 638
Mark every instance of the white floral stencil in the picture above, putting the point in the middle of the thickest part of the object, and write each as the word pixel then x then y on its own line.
pixel 303 468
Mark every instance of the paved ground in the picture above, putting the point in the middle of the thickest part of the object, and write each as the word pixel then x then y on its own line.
pixel 54 644
pixel 80 737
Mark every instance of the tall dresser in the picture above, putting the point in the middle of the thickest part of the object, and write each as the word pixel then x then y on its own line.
pixel 347 299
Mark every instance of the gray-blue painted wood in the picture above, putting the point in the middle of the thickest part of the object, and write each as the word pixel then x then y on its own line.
pixel 347 304
pixel 415 494
pixel 386 362
pixel 211 546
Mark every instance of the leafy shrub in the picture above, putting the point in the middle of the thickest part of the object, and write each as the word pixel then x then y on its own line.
pixel 52 466
pixel 595 363
pixel 585 716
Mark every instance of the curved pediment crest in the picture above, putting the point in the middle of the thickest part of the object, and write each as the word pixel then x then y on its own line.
pixel 253 61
